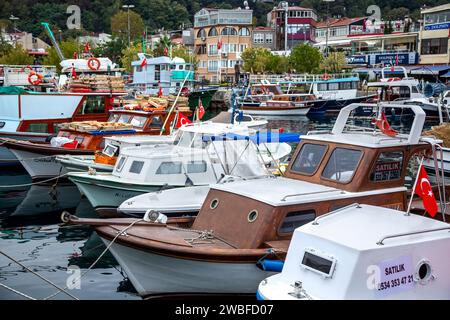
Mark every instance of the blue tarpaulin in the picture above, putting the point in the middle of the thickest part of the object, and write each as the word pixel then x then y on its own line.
pixel 430 70
pixel 447 75
pixel 258 138
pixel 100 133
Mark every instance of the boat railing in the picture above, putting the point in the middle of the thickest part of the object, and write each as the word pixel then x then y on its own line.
pixel 308 194
pixel 380 242
pixel 353 205
pixel 297 78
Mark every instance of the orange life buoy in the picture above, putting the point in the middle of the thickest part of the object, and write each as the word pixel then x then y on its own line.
pixel 325 76
pixel 94 63
pixel 34 78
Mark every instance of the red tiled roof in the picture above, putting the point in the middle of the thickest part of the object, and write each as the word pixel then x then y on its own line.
pixel 339 22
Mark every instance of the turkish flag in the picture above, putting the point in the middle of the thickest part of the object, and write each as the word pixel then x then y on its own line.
pixel 166 51
pixel 423 190
pixel 384 126
pixel 219 45
pixel 182 120
pixel 160 91
pixel 74 73
pixel 144 62
pixel 87 48
pixel 201 110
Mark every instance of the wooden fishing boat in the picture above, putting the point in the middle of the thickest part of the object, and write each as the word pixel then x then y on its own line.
pixel 244 223
pixel 39 157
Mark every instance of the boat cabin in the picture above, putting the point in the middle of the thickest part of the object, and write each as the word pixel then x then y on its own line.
pixel 329 170
pixel 364 252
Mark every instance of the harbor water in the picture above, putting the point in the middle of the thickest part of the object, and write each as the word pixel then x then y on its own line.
pixel 31 233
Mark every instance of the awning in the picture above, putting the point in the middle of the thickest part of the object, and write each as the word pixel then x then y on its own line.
pixel 332 42
pixel 377 71
pixel 430 70
pixel 258 138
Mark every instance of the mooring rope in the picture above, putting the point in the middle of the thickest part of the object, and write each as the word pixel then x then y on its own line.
pixel 119 233
pixel 38 275
pixel 27 159
pixel 34 183
pixel 17 292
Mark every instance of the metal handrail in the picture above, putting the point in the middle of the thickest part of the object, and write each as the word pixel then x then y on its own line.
pixel 308 193
pixel 380 242
pixel 354 205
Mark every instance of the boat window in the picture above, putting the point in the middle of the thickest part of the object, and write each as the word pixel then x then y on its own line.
pixel 333 86
pixel 124 118
pixel 309 158
pixel 79 139
pixel 110 150
pixel 114 117
pixel 136 167
pixel 169 168
pixel 196 167
pixel 65 134
pixel 388 167
pixel 156 122
pixel 138 121
pixel 186 139
pixel 414 89
pixel 317 263
pixel 322 87
pixel 41 127
pixel 2 124
pixel 120 163
pixel 177 138
pixel 342 164
pixel 296 219
pixel 345 85
pixel 93 104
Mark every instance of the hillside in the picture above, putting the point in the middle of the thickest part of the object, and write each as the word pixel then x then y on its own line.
pixel 170 14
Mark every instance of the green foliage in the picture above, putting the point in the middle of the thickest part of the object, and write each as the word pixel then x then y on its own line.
pixel 305 59
pixel 112 49
pixel 16 56
pixel 162 44
pixel 335 62
pixel 119 25
pixel 68 49
pixel 130 54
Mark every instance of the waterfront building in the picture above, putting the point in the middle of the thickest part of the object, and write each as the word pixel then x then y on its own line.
pixel 221 35
pixel 434 35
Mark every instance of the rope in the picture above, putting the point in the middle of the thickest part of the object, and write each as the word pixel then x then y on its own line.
pixel 33 183
pixel 17 292
pixel 119 233
pixel 38 275
pixel 26 159
pixel 202 232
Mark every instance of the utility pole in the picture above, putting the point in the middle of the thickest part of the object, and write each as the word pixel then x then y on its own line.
pixel 328 26
pixel 14 20
pixel 128 7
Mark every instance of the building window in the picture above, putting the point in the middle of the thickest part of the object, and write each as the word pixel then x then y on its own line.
pixel 157 72
pixel 435 46
pixel 212 50
pixel 258 38
pixel 244 32
pixel 200 49
pixel 242 47
pixel 213 65
pixel 201 33
pixel 213 32
pixel 269 38
pixel 229 31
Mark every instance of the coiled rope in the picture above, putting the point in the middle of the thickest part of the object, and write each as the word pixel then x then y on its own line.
pixel 119 233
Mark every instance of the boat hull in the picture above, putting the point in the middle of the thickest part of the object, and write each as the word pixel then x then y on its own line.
pixel 106 196
pixel 263 111
pixel 153 274
pixel 39 166
pixel 82 164
pixel 7 158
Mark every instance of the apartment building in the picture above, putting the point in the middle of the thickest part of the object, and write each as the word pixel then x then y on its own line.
pixel 220 36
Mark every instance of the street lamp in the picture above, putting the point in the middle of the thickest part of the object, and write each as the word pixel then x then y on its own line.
pixel 328 26
pixel 14 19
pixel 128 7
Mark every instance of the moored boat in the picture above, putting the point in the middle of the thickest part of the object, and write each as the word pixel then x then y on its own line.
pixel 243 223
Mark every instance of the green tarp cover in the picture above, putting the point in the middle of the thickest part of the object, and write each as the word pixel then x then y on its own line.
pixel 12 90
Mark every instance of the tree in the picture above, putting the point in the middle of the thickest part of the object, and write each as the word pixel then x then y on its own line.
pixel 256 60
pixel 305 59
pixel 278 64
pixel 112 49
pixel 68 48
pixel 16 56
pixel 163 44
pixel 335 62
pixel 130 54
pixel 119 25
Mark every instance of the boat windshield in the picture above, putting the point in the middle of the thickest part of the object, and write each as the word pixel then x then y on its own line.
pixel 114 117
pixel 185 139
pixel 124 118
pixel 138 121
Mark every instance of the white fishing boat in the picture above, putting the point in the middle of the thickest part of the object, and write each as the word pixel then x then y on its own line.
pixel 190 160
pixel 241 224
pixel 364 253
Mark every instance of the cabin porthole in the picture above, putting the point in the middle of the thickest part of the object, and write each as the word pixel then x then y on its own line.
pixel 252 216
pixel 424 272
pixel 214 204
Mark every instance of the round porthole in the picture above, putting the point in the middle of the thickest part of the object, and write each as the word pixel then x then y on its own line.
pixel 214 204
pixel 424 272
pixel 252 216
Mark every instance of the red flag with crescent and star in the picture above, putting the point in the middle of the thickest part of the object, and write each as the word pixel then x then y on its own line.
pixel 384 126
pixel 144 62
pixel 182 120
pixel 201 109
pixel 423 190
